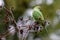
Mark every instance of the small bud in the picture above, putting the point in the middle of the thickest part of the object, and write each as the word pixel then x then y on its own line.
pixel 3 38
pixel 11 29
pixel 1 4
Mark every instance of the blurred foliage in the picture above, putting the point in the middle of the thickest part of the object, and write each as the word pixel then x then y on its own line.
pixel 19 6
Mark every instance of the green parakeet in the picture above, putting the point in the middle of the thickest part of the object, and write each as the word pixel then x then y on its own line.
pixel 37 14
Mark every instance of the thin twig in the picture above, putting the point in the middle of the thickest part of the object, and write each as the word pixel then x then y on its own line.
pixel 7 32
pixel 10 13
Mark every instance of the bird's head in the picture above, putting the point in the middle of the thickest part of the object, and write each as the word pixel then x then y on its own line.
pixel 37 7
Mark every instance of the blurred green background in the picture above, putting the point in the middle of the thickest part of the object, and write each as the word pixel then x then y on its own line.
pixel 49 8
